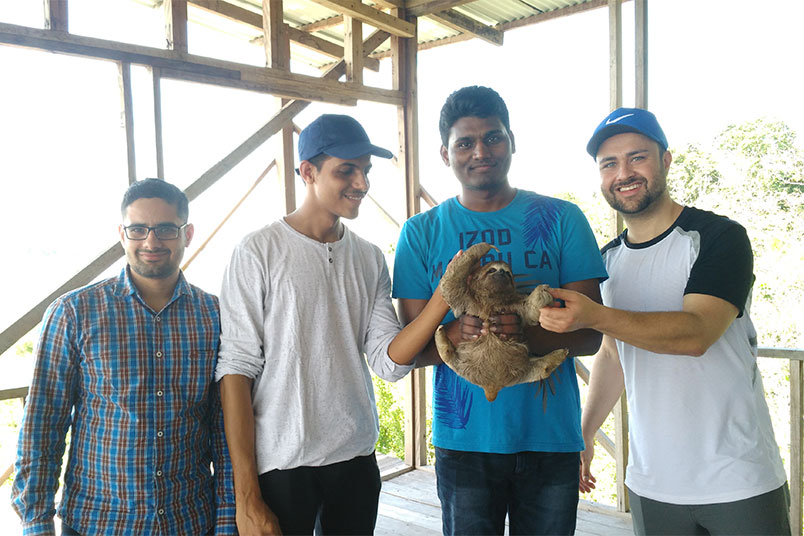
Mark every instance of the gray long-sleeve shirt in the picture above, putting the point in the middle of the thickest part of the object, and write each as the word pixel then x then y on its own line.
pixel 298 316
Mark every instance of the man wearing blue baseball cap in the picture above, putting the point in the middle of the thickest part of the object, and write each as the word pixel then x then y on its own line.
pixel 302 301
pixel 679 340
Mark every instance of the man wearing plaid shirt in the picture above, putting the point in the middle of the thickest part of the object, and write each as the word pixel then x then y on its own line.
pixel 127 366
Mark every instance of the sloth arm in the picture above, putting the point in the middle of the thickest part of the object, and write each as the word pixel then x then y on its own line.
pixel 580 342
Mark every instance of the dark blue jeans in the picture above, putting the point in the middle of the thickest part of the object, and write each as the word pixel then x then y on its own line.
pixel 538 491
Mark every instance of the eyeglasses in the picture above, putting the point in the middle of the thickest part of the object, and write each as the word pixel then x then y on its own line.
pixel 162 232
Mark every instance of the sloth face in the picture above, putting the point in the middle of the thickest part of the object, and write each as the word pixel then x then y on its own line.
pixel 496 275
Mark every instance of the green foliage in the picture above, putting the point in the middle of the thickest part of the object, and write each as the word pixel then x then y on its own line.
pixel 695 175
pixel 754 174
pixel 766 155
pixel 392 419
pixel 24 348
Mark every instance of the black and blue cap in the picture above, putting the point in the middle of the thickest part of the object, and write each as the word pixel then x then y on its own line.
pixel 336 135
pixel 624 120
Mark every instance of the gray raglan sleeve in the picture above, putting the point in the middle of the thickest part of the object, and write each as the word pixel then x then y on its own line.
pixel 242 315
pixel 383 327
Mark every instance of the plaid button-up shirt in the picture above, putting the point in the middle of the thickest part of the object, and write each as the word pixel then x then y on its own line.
pixel 135 387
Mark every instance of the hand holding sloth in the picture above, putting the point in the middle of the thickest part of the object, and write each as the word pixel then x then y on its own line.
pixel 484 291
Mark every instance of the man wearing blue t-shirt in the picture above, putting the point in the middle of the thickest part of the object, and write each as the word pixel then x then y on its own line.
pixel 518 455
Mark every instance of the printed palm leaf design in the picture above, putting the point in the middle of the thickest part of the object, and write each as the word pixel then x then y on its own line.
pixel 453 399
pixel 541 217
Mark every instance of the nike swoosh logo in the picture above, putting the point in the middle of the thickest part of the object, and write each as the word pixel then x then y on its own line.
pixel 610 121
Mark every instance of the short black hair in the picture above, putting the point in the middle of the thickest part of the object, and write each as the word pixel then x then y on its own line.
pixel 471 101
pixel 318 160
pixel 150 188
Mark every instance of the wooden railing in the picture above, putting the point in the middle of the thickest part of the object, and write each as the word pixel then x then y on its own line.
pixel 618 447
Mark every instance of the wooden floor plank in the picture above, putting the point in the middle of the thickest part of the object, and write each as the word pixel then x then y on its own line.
pixel 409 506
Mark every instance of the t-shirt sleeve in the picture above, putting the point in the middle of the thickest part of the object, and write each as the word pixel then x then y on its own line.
pixel 411 279
pixel 241 303
pixel 724 267
pixel 580 254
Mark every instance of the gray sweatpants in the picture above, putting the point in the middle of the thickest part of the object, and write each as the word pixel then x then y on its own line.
pixel 765 514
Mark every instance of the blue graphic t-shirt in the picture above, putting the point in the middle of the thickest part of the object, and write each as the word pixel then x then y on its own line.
pixel 549 241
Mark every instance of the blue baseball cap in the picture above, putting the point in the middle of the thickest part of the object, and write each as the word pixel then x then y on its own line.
pixel 627 120
pixel 336 135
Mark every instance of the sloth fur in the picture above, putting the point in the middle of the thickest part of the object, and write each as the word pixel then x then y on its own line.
pixel 484 291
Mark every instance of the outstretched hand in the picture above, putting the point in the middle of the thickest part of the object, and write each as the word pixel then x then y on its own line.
pixel 577 313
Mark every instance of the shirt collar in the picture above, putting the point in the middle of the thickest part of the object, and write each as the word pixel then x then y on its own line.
pixel 126 287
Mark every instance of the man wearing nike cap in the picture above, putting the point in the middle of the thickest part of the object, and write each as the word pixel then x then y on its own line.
pixel 302 301
pixel 678 338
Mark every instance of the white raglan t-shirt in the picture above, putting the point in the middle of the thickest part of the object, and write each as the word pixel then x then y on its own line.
pixel 700 430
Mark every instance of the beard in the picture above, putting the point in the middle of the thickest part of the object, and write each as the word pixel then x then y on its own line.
pixel 652 192
pixel 161 270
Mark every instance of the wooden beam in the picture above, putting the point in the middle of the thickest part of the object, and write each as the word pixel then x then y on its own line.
pixel 273 26
pixel 325 47
pixel 127 105
pixel 201 248
pixel 201 69
pixel 353 49
pixel 302 38
pixel 369 15
pixel 390 3
pixel 176 24
pixel 419 8
pixel 323 24
pixel 56 17
pixel 26 322
pixel 462 23
pixel 641 51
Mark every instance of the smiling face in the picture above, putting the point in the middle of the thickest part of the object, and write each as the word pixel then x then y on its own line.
pixel 479 152
pixel 153 258
pixel 339 186
pixel 633 172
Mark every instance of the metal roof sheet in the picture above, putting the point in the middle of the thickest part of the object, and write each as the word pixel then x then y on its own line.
pixel 494 13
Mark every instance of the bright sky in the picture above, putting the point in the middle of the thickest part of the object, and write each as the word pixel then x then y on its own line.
pixel 712 63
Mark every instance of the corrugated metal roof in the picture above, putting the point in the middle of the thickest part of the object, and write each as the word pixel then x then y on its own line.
pixel 326 23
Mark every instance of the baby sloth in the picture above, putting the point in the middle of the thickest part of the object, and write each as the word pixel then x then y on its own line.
pixel 483 291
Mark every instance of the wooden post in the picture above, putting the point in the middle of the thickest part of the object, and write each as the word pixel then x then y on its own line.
pixel 404 51
pixel 616 226
pixel 56 17
pixel 156 77
pixel 176 24
pixel 641 63
pixel 124 69
pixel 277 56
pixel 796 450
pixel 615 82
pixel 615 54
pixel 353 49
